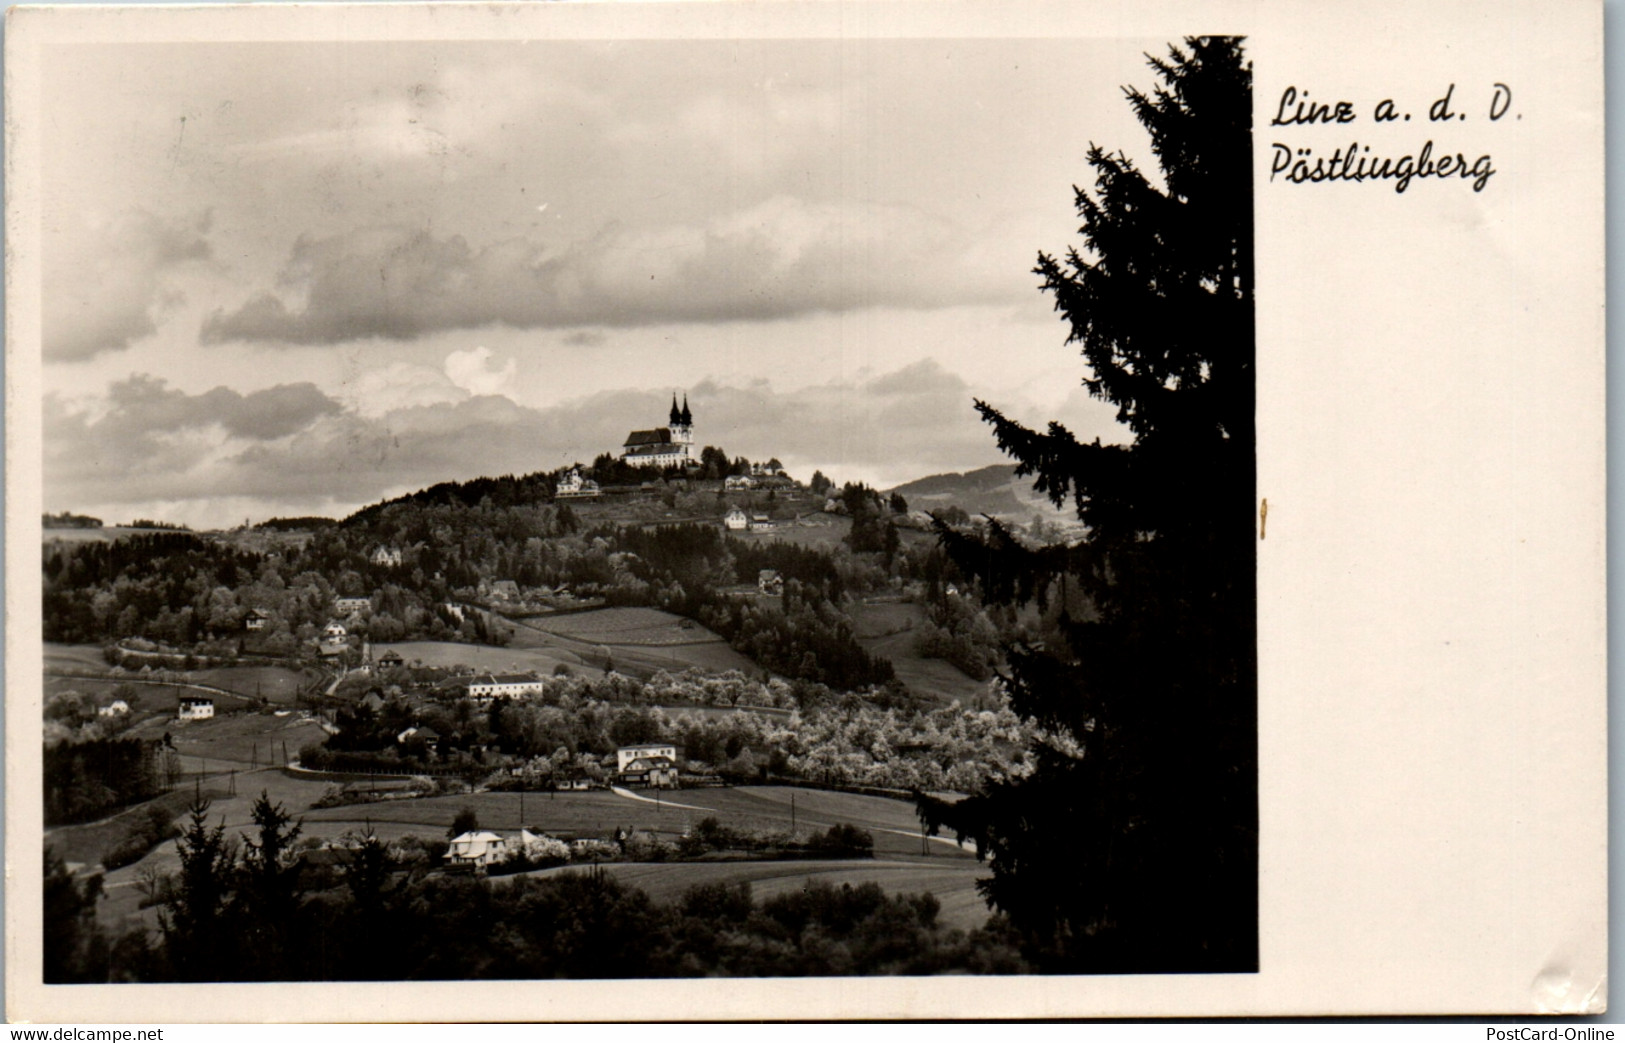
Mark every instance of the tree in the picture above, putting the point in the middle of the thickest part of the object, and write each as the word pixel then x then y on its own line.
pixel 899 505
pixel 268 893
pixel 75 950
pixel 197 934
pixel 1133 845
pixel 467 821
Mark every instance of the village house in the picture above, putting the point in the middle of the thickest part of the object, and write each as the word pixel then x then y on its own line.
pixel 195 708
pixel 760 522
pixel 389 557
pixel 427 735
pixel 255 620
pixel 391 658
pixel 670 446
pixel 486 687
pixel 477 848
pixel 653 765
pixel 351 606
pixel 573 486
pixel 334 631
pixel 736 519
pixel 116 708
pixel 503 590
pixel 738 483
pixel 769 582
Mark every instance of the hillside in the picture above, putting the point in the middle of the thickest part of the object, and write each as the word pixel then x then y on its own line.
pixel 991 490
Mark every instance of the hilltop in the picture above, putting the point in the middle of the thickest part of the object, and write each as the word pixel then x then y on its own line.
pixel 993 490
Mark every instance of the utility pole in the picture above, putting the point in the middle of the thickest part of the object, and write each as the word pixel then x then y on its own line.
pixel 792 813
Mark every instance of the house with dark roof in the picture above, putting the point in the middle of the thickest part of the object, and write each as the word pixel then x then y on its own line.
pixel 485 687
pixel 669 446
pixel 769 582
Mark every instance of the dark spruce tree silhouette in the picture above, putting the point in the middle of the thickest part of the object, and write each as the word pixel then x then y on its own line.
pixel 1132 847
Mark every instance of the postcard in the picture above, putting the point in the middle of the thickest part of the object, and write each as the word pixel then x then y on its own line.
pixel 817 511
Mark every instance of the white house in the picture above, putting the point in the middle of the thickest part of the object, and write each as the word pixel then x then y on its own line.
pixel 195 708
pixel 477 848
pixel 334 631
pixel 736 519
pixel 573 486
pixel 388 556
pixel 504 686
pixel 627 754
pixel 255 620
pixel 738 482
pixel 760 522
pixel 349 606
pixel 116 708
pixel 672 445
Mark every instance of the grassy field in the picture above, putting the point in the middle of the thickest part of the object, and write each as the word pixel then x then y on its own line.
pixel 625 626
pixel 275 683
pixel 587 641
pixel 887 629
pixel 600 812
pixel 520 656
pixel 952 881
pixel 74 657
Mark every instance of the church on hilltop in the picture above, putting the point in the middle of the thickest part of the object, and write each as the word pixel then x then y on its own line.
pixel 670 446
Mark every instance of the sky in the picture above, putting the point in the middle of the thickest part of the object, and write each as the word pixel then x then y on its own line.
pixel 288 279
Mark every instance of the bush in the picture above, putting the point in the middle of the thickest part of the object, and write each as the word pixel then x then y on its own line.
pixel 843 841
pixel 151 826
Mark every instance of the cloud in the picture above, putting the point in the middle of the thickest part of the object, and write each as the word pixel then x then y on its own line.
pixel 781 258
pixel 472 371
pixel 106 282
pixel 292 449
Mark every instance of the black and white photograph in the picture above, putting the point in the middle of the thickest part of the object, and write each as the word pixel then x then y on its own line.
pixel 530 503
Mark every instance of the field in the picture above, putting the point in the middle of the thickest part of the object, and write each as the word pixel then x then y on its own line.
pixel 952 882
pixel 625 626
pixel 516 658
pixel 638 640
pixel 887 629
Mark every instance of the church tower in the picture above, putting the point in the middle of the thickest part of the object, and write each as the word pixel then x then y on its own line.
pixel 682 425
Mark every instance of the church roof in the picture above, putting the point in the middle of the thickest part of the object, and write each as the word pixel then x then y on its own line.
pixel 657 436
pixel 676 417
pixel 688 418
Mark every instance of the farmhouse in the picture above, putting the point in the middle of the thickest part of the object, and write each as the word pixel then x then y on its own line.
pixel 351 606
pixel 738 482
pixel 503 686
pixel 391 658
pixel 427 735
pixel 255 620
pixel 760 522
pixel 504 590
pixel 477 848
pixel 670 446
pixel 389 557
pixel 652 764
pixel 625 755
pixel 195 708
pixel 736 519
pixel 769 582
pixel 334 631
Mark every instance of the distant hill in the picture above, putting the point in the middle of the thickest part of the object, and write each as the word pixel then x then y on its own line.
pixel 991 490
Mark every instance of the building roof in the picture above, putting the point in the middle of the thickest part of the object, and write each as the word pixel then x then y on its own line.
pixel 647 746
pixel 196 699
pixel 503 679
pixel 648 764
pixel 656 436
